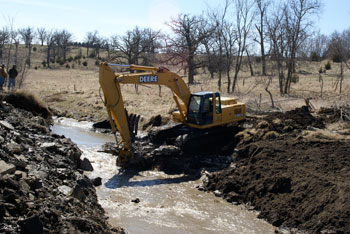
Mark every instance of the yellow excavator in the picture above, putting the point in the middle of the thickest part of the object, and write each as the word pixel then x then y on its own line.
pixel 201 110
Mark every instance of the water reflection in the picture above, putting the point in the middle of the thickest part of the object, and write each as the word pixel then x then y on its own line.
pixel 124 180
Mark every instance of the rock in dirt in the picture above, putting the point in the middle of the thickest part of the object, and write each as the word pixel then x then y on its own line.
pixel 6 125
pixel 86 165
pixel 6 168
pixel 136 200
pixel 14 148
pixel 32 225
pixel 97 181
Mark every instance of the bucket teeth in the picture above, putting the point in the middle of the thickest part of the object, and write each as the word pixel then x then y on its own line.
pixel 133 122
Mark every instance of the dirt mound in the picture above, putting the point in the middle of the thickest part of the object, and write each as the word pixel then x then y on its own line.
pixel 294 181
pixel 28 101
pixel 336 113
pixel 42 185
pixel 299 118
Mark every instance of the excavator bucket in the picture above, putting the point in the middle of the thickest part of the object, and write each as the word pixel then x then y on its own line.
pixel 124 157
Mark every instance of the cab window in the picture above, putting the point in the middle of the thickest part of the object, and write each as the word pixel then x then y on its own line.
pixel 217 104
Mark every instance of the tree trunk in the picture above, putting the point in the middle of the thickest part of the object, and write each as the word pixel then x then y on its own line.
pixel 341 77
pixel 228 81
pixel 250 64
pixel 237 68
pixel 48 56
pixel 263 59
pixel 29 55
pixel 190 63
pixel 16 52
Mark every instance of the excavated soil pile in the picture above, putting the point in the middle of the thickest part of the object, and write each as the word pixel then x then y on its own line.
pixel 42 185
pixel 296 182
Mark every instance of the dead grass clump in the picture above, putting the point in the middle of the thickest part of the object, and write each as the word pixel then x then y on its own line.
pixel 29 102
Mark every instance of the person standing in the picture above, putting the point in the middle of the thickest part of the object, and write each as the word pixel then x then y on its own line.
pixel 3 75
pixel 12 78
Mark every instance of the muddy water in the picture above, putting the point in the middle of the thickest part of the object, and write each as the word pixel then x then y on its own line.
pixel 167 203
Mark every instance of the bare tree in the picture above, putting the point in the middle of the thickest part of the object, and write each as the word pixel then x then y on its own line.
pixel 297 22
pixel 211 58
pixel 217 19
pixel 135 46
pixel 190 31
pixel 12 35
pixel 4 38
pixel 107 45
pixel 277 34
pixel 244 18
pixel 42 33
pixel 16 39
pixel 90 40
pixel 28 35
pixel 318 46
pixel 288 27
pixel 65 39
pixel 339 51
pixel 262 6
pixel 98 44
pixel 50 42
pixel 229 49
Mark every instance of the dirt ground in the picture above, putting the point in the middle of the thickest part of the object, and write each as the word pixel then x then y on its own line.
pixel 296 178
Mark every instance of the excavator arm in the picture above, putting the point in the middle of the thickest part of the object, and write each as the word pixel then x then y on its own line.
pixel 110 84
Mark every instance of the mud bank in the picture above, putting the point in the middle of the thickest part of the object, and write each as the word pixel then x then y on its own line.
pixel 296 178
pixel 42 185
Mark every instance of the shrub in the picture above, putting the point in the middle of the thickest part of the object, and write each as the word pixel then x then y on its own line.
pixel 67 66
pixel 36 68
pixel 295 78
pixel 97 62
pixel 73 66
pixel 314 57
pixel 77 57
pixel 34 48
pixel 44 63
pixel 320 70
pixel 328 66
pixel 85 63
pixel 92 55
pixel 70 59
pixel 336 58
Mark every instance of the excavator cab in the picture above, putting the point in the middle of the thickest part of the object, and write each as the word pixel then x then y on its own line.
pixel 201 107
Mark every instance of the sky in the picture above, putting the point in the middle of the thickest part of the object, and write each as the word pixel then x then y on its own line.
pixel 110 17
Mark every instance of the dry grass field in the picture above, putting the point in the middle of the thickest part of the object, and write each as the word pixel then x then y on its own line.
pixel 76 92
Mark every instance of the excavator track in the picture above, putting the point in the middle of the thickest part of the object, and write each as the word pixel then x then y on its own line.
pixel 217 140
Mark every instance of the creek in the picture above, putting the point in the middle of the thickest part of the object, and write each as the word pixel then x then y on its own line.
pixel 152 201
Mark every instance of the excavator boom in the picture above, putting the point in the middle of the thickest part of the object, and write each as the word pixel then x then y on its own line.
pixel 110 84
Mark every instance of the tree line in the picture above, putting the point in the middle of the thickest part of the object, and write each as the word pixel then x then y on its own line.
pixel 275 34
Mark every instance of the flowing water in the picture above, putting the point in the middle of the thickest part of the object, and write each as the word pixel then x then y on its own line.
pixel 167 203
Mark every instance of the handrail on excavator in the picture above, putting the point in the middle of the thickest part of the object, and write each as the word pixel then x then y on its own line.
pixel 134 67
